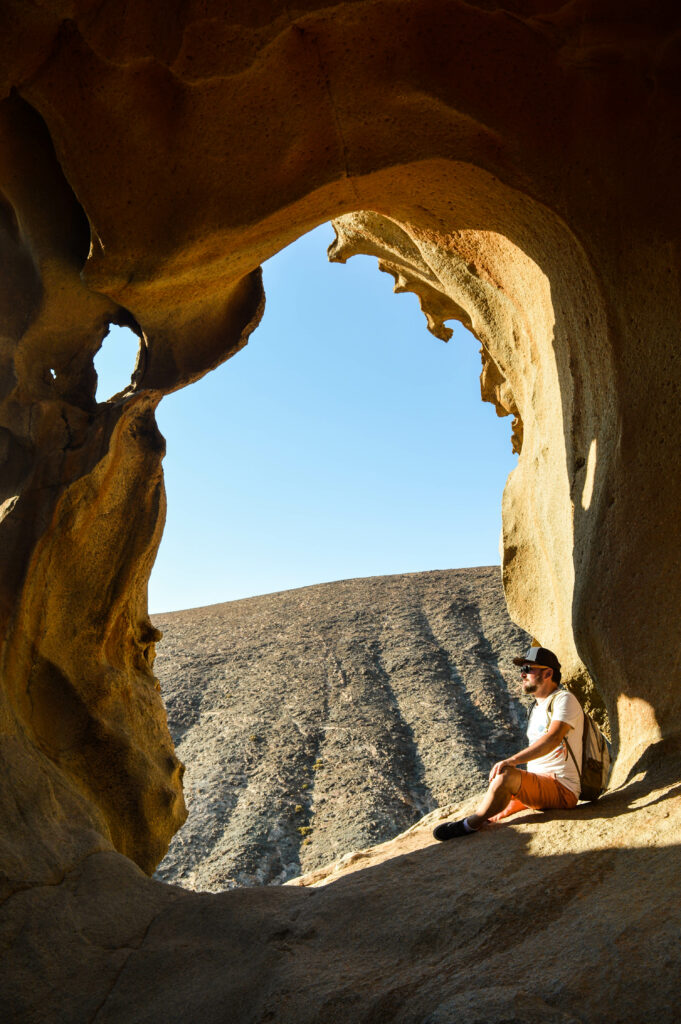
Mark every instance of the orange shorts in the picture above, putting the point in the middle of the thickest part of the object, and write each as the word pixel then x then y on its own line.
pixel 539 792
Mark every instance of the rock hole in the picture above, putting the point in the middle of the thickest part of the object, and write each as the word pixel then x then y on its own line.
pixel 343 442
pixel 115 362
pixel 356 444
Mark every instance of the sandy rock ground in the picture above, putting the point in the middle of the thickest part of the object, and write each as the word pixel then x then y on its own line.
pixel 546 918
pixel 320 721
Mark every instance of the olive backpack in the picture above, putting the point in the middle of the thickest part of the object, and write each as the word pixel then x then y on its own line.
pixel 593 776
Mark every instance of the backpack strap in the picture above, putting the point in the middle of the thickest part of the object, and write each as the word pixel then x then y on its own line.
pixel 573 757
pixel 549 708
pixel 565 739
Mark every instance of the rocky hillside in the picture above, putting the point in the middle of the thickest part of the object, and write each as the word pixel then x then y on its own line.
pixel 318 721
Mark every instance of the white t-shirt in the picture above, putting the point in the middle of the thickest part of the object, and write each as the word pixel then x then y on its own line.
pixel 565 708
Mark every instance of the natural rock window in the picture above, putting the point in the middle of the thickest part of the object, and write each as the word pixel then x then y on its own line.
pixel 321 720
pixel 344 441
pixel 521 160
pixel 115 362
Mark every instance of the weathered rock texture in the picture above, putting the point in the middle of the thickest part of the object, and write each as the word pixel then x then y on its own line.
pixel 424 934
pixel 520 162
pixel 319 721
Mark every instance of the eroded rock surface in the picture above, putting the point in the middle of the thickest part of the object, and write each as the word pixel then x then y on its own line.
pixel 319 721
pixel 519 161
pixel 514 166
pixel 411 932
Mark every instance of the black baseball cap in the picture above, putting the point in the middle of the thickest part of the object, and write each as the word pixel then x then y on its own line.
pixel 541 656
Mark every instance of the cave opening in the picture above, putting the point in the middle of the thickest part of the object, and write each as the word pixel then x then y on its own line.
pixel 343 425
pixel 115 362
pixel 230 129
pixel 343 441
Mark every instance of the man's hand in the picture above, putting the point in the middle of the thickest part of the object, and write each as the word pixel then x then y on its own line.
pixel 500 767
pixel 544 745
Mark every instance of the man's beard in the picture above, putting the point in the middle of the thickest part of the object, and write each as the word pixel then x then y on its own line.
pixel 530 686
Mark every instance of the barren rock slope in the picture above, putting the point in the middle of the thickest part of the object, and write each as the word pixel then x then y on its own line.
pixel 317 721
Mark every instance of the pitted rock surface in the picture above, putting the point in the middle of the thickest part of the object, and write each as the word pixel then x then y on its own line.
pixel 515 164
pixel 318 721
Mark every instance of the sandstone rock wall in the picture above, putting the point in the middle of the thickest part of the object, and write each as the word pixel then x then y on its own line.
pixel 526 191
pixel 520 159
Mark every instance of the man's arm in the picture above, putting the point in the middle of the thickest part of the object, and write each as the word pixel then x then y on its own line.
pixel 553 738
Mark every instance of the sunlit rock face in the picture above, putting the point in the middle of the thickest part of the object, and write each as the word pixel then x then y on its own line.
pixel 520 164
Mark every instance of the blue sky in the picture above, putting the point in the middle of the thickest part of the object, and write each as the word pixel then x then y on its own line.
pixel 343 441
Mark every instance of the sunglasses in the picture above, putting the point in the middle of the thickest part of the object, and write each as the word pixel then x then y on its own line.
pixel 524 669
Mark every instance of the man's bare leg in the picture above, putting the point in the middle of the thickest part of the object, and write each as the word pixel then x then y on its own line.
pixel 502 787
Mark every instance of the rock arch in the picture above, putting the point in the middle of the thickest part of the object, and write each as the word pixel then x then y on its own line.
pixel 513 166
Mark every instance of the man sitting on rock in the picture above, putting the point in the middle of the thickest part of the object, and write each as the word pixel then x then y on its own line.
pixel 552 776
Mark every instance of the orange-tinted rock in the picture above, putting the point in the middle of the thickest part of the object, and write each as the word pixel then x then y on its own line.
pixel 520 166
